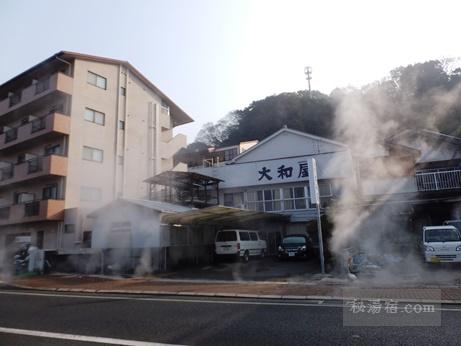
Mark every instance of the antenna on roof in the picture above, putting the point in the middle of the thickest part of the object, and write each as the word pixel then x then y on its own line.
pixel 308 72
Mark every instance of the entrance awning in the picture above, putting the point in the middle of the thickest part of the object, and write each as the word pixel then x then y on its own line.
pixel 218 215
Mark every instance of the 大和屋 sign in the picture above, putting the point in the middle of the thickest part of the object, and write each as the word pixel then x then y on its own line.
pixel 284 172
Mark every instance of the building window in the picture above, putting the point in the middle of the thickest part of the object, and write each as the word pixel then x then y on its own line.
pixel 90 194
pixel 24 197
pixel 86 240
pixel 325 189
pixel 287 198
pixel 120 159
pixel 50 192
pixel 121 125
pixel 4 213
pixel 255 200
pixel 122 91
pixel 97 80
pixel 272 200
pixel 230 154
pixel 295 198
pixel 92 154
pixel 32 208
pixel 94 116
pixel 235 200
pixel 69 228
pixel 53 150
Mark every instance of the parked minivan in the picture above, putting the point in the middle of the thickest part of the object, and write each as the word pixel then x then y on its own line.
pixel 441 244
pixel 239 243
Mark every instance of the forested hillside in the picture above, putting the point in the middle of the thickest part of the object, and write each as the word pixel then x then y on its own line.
pixel 423 95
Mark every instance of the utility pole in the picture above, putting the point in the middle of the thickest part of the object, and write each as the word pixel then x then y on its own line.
pixel 315 199
pixel 308 72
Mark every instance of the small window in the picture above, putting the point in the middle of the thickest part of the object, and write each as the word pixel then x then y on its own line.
pixel 120 159
pixel 50 192
pixel 244 236
pixel 90 194
pixel 69 228
pixel 226 236
pixel 24 197
pixel 94 116
pixel 53 150
pixel 122 91
pixel 92 154
pixel 97 80
pixel 121 125
pixel 253 236
pixel 86 240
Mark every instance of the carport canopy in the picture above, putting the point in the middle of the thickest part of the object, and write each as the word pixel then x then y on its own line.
pixel 219 214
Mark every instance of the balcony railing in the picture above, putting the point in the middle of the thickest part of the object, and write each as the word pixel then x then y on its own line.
pixel 14 100
pixel 38 210
pixel 37 125
pixel 47 125
pixel 57 82
pixel 435 181
pixel 34 165
pixel 42 85
pixel 32 208
pixel 11 135
pixel 39 166
pixel 4 213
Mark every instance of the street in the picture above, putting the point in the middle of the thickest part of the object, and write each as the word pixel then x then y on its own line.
pixel 196 321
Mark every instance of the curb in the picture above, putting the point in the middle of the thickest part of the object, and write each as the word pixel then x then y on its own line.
pixel 225 295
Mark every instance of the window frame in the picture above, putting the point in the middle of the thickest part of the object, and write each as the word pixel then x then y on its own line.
pixel 94 114
pixel 96 78
pixel 93 150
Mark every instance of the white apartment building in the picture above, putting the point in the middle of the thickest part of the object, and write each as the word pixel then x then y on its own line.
pixel 77 132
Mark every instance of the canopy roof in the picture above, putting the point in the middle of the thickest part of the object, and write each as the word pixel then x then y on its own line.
pixel 182 179
pixel 221 215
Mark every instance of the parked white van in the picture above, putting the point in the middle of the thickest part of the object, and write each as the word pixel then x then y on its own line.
pixel 239 243
pixel 441 244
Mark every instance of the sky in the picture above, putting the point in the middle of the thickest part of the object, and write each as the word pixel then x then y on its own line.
pixel 215 56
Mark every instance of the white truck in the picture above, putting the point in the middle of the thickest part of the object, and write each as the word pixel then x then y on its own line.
pixel 441 244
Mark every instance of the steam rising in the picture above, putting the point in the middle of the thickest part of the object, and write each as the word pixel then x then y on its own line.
pixel 364 119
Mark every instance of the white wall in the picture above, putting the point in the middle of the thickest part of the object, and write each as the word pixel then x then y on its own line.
pixel 145 228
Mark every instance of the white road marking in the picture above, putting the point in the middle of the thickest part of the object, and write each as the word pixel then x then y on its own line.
pixel 95 339
pixel 206 301
pixel 174 300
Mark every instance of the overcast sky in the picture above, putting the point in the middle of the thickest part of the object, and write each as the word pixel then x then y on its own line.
pixel 214 56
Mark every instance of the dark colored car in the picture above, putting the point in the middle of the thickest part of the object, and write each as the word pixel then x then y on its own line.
pixel 295 246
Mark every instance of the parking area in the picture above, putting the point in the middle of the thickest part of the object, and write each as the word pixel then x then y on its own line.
pixel 257 269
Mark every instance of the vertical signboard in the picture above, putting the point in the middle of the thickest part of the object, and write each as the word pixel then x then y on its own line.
pixel 313 183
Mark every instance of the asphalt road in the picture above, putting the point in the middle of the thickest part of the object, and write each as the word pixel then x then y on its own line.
pixel 198 321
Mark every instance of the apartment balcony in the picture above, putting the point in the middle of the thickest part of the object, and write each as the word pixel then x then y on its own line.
pixel 168 149
pixel 54 165
pixel 50 209
pixel 440 181
pixel 437 181
pixel 52 125
pixel 58 82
